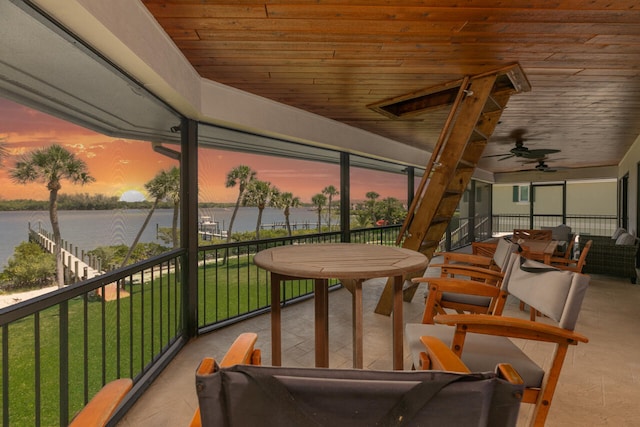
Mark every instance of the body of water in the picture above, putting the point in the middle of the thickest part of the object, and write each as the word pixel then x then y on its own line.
pixel 90 229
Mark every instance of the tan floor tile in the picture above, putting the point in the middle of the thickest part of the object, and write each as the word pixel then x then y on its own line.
pixel 599 385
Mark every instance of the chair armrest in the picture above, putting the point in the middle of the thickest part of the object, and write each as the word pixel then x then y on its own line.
pixel 459 286
pixel 99 409
pixel 467 258
pixel 509 327
pixel 471 271
pixel 439 357
pixel 241 351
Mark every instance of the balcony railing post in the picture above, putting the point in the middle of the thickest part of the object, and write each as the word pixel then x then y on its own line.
pixel 345 199
pixel 64 363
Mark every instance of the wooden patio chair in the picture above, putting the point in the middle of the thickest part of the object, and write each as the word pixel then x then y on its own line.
pixel 466 289
pixel 572 264
pixel 482 285
pixel 504 248
pixel 480 340
pixel 246 394
pixel 526 234
pixel 99 410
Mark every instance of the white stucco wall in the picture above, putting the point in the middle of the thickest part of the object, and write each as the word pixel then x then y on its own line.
pixel 629 164
pixel 591 197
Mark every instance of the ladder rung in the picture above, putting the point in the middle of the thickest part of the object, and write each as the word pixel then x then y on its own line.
pixel 478 135
pixel 439 219
pixel 465 166
pixel 428 244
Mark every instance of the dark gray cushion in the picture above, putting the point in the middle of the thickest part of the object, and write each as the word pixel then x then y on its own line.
pixel 277 396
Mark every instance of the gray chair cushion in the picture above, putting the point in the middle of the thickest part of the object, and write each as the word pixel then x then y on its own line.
pixel 466 299
pixel 278 396
pixel 481 352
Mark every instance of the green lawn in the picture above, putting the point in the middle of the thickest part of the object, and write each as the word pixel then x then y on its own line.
pixel 122 337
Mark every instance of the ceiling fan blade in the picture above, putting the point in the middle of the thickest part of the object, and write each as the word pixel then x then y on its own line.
pixel 508 156
pixel 541 152
pixel 537 153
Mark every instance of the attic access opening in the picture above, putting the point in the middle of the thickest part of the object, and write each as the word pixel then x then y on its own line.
pixel 419 102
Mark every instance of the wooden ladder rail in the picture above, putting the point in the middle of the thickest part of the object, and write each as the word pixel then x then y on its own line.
pixel 453 163
pixel 436 152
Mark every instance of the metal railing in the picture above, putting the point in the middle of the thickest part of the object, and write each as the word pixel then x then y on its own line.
pixel 60 348
pixel 231 288
pixel 600 225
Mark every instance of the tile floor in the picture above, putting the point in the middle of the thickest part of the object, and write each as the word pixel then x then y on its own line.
pixel 599 384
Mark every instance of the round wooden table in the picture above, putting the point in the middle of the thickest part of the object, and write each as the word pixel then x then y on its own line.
pixel 345 261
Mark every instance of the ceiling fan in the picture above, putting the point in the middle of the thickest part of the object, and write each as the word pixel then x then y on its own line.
pixel 540 167
pixel 520 150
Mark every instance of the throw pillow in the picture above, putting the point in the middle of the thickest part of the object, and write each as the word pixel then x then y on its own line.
pixel 617 233
pixel 561 233
pixel 625 239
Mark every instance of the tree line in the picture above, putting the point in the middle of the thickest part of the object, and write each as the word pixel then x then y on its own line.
pixel 71 202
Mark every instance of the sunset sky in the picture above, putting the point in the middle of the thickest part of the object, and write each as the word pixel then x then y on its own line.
pixel 121 165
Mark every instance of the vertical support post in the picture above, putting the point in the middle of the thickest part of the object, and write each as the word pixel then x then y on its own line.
pixel 345 198
pixel 472 212
pixel 189 223
pixel 564 202
pixel 411 184
pixel 490 195
pixel 531 202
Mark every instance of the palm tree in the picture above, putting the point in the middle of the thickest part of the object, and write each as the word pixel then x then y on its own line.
pixel 173 194
pixel 319 200
pixel 371 204
pixel 4 151
pixel 51 165
pixel 259 193
pixel 330 191
pixel 286 201
pixel 241 176
pixel 163 186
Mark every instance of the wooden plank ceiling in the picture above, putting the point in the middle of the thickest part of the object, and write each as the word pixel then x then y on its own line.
pixel 336 57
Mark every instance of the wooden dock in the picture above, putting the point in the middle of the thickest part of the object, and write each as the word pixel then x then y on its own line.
pixel 75 267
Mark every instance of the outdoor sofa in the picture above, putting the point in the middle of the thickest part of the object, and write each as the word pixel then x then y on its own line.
pixel 613 255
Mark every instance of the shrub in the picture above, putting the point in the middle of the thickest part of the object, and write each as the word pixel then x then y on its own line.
pixel 30 267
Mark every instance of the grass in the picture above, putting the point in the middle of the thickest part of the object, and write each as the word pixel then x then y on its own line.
pixel 109 340
pixel 105 341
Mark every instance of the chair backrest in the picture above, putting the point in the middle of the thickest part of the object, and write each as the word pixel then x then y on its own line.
pixel 558 294
pixel 503 252
pixel 561 232
pixel 531 234
pixel 278 396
